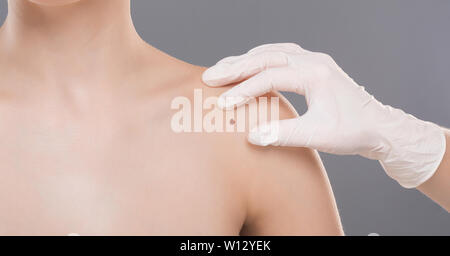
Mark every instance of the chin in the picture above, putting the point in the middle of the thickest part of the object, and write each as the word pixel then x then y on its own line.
pixel 54 2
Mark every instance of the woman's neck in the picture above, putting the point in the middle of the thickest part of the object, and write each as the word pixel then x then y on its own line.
pixel 90 38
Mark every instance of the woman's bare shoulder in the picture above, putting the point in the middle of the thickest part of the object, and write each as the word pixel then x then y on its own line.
pixel 193 85
pixel 287 189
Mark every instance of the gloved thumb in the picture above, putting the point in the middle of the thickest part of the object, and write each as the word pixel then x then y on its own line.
pixel 296 132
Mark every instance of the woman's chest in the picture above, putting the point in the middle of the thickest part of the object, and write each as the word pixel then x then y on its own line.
pixel 110 181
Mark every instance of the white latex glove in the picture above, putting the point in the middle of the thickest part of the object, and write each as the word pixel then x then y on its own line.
pixel 342 118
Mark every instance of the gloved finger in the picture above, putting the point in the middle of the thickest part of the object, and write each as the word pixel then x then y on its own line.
pixel 284 47
pixel 280 79
pixel 242 67
pixel 296 132
pixel 280 47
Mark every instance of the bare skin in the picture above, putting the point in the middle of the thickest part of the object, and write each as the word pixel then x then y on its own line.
pixel 87 146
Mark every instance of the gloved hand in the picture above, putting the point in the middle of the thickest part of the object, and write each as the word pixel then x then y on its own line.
pixel 342 118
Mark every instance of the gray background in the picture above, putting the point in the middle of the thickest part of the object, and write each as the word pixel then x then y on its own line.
pixel 398 49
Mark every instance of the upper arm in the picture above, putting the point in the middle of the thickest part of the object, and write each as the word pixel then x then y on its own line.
pixel 288 192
